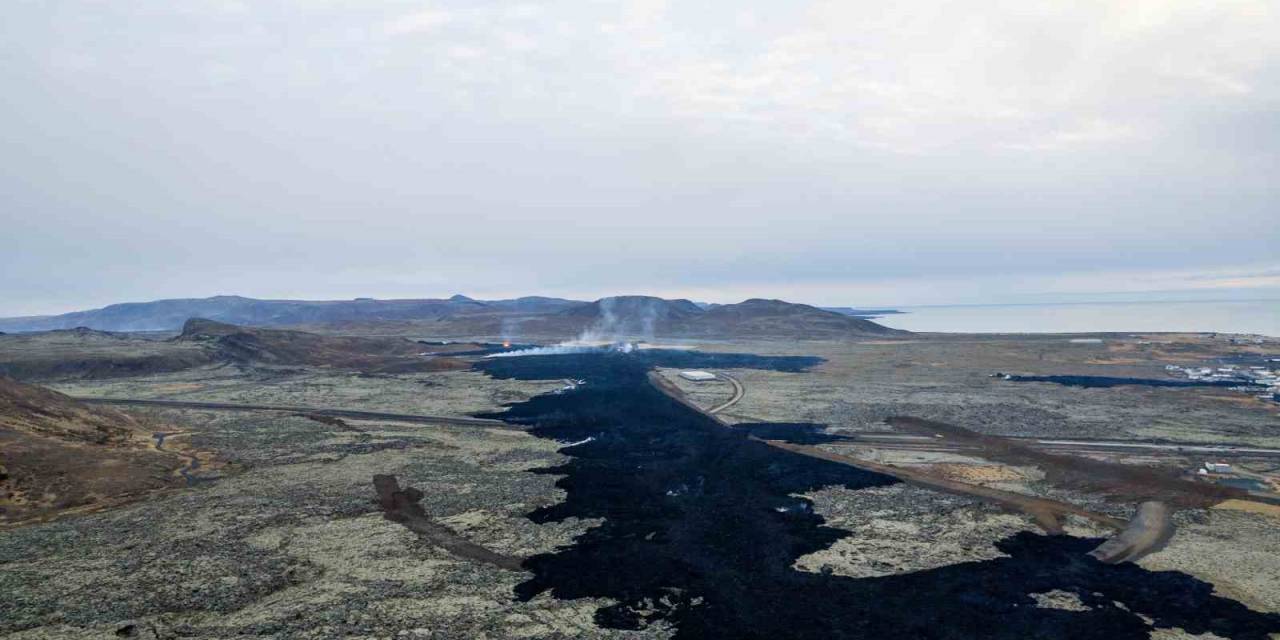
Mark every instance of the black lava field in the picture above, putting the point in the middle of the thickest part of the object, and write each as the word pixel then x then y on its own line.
pixel 701 528
pixel 1105 382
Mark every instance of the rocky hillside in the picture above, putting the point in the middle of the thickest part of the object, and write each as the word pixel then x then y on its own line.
pixel 86 353
pixel 44 412
pixel 643 316
pixel 248 345
pixel 635 316
pixel 759 317
pixel 58 454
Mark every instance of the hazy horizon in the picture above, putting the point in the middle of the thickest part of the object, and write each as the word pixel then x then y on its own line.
pixel 828 153
pixel 1134 299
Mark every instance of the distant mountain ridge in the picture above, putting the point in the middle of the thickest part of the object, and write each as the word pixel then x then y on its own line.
pixel 459 315
pixel 170 315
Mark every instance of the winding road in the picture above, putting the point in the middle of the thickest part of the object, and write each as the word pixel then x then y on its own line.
pixel 738 392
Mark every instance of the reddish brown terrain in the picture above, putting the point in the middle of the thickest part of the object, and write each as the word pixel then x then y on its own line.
pixel 58 454
pixel 1115 481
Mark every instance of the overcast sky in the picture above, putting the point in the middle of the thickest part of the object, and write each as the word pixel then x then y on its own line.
pixel 827 152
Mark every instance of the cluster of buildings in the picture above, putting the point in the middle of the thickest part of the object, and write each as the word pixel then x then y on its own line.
pixel 1239 477
pixel 1255 376
pixel 569 385
pixel 1236 338
pixel 1215 467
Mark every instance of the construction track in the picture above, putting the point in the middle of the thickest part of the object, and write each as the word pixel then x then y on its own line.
pixel 1048 514
pixel 907 442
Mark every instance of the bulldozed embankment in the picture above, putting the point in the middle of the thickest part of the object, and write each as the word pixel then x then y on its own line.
pixel 1123 483
pixel 1149 530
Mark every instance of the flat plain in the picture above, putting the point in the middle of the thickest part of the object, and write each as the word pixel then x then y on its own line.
pixel 285 538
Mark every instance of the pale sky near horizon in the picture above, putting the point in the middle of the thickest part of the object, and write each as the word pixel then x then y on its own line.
pixel 842 153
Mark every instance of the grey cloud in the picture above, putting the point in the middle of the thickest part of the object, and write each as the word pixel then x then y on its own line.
pixel 410 149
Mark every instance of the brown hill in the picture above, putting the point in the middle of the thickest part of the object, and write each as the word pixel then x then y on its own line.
pixel 58 454
pixel 644 316
pixel 527 318
pixel 647 317
pixel 86 353
pixel 299 348
pixel 633 316
pixel 759 317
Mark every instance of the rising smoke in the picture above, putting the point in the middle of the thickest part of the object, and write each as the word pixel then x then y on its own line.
pixel 567 347
pixel 624 318
pixel 620 319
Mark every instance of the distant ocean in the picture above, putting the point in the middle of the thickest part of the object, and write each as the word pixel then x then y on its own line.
pixel 1251 316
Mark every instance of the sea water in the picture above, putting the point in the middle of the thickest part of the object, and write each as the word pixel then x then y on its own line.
pixel 1248 316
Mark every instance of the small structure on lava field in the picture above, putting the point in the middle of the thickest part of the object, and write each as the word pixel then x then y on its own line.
pixel 698 376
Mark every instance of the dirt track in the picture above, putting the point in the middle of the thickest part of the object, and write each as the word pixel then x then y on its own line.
pixel 1047 513
pixel 925 443
pixel 1118 482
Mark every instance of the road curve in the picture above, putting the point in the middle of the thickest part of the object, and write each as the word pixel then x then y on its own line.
pixel 323 411
pixel 738 392
pixel 1048 514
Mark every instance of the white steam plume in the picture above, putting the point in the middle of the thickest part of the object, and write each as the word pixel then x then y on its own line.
pixel 607 333
pixel 566 348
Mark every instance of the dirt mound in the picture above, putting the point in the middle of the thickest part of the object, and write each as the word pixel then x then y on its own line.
pixel 57 454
